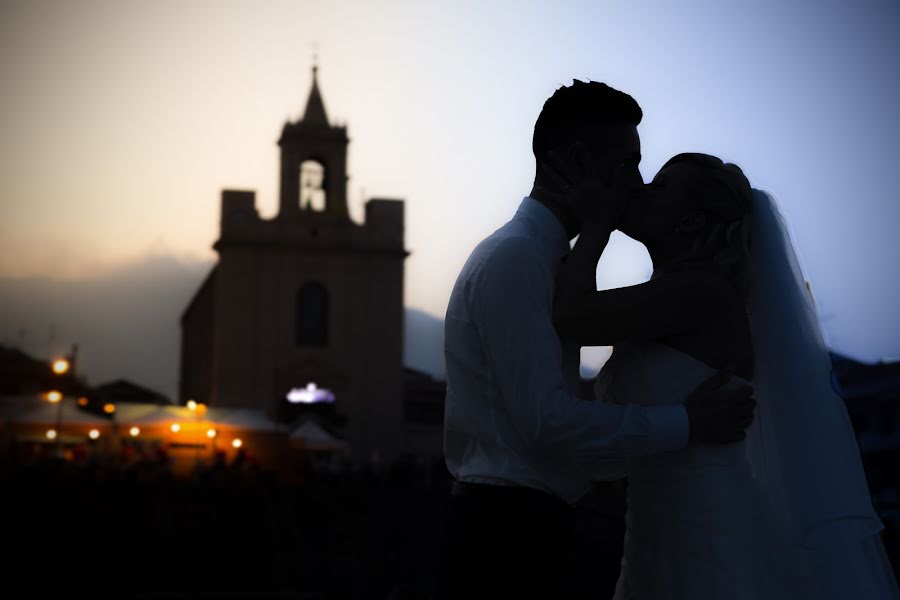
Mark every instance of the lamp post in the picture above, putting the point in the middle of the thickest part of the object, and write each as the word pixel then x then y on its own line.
pixel 56 397
pixel 60 367
pixel 192 406
pixel 114 442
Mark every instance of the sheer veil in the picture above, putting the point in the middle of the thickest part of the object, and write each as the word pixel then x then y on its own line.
pixel 801 445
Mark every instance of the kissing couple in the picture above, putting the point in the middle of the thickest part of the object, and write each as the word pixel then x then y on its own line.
pixel 744 479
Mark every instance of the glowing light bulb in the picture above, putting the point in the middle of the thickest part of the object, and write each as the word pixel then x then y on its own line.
pixel 311 394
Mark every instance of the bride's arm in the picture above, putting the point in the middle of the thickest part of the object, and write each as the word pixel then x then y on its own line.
pixel 672 304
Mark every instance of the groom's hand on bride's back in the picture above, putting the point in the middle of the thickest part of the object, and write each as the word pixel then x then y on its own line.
pixel 717 414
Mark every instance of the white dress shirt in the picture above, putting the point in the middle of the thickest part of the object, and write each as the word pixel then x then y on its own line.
pixel 512 415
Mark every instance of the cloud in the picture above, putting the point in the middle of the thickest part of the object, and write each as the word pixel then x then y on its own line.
pixel 125 320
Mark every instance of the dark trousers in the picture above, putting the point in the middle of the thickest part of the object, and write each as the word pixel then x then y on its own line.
pixel 506 542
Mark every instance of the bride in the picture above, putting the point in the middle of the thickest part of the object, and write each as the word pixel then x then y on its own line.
pixel 785 512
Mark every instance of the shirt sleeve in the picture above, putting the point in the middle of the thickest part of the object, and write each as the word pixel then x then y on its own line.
pixel 511 302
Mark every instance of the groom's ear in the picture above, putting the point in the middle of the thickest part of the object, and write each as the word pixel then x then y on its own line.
pixel 692 223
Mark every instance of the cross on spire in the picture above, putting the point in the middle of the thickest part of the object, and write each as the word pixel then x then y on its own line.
pixel 315 107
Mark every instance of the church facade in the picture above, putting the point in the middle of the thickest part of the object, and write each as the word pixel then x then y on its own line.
pixel 304 311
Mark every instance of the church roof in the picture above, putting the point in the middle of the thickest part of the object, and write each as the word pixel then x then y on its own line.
pixel 315 106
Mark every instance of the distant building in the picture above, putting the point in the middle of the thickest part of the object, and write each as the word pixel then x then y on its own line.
pixel 23 374
pixel 872 395
pixel 307 307
pixel 124 391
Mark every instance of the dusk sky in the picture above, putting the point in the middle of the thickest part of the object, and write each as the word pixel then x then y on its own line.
pixel 122 121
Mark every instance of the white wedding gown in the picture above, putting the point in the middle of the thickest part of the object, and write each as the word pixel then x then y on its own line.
pixel 697 523
pixel 784 514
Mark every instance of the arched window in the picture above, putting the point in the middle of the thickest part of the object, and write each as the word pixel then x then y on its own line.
pixel 312 315
pixel 312 185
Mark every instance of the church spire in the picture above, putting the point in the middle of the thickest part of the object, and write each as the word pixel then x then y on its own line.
pixel 315 107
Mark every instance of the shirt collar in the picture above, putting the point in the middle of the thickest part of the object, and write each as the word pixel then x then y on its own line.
pixel 547 226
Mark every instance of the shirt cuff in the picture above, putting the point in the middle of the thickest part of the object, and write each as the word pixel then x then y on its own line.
pixel 669 426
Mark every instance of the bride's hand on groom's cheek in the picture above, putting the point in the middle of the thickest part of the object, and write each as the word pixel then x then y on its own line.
pixel 576 180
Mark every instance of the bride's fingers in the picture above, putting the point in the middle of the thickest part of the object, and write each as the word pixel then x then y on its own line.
pixel 573 162
pixel 554 178
pixel 562 166
pixel 550 193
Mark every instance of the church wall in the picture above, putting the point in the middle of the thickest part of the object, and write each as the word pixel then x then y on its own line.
pixel 197 347
pixel 384 326
pixel 236 327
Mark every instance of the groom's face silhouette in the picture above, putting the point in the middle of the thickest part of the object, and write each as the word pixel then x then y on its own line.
pixel 617 144
pixel 609 146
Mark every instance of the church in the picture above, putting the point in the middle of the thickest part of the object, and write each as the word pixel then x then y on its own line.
pixel 302 317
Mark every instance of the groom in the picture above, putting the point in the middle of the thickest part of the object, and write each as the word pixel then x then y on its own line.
pixel 521 445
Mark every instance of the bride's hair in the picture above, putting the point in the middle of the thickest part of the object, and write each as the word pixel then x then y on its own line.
pixel 723 192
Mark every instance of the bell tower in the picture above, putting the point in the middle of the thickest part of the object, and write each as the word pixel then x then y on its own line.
pixel 307 297
pixel 313 164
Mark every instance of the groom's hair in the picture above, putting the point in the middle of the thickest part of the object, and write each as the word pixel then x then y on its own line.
pixel 565 117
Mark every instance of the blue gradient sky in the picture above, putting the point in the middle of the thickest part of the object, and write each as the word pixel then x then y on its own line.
pixel 122 121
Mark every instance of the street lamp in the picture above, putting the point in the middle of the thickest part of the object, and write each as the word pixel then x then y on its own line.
pixel 211 433
pixel 60 366
pixel 56 397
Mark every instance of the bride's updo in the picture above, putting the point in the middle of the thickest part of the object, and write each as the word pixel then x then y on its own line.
pixel 723 193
